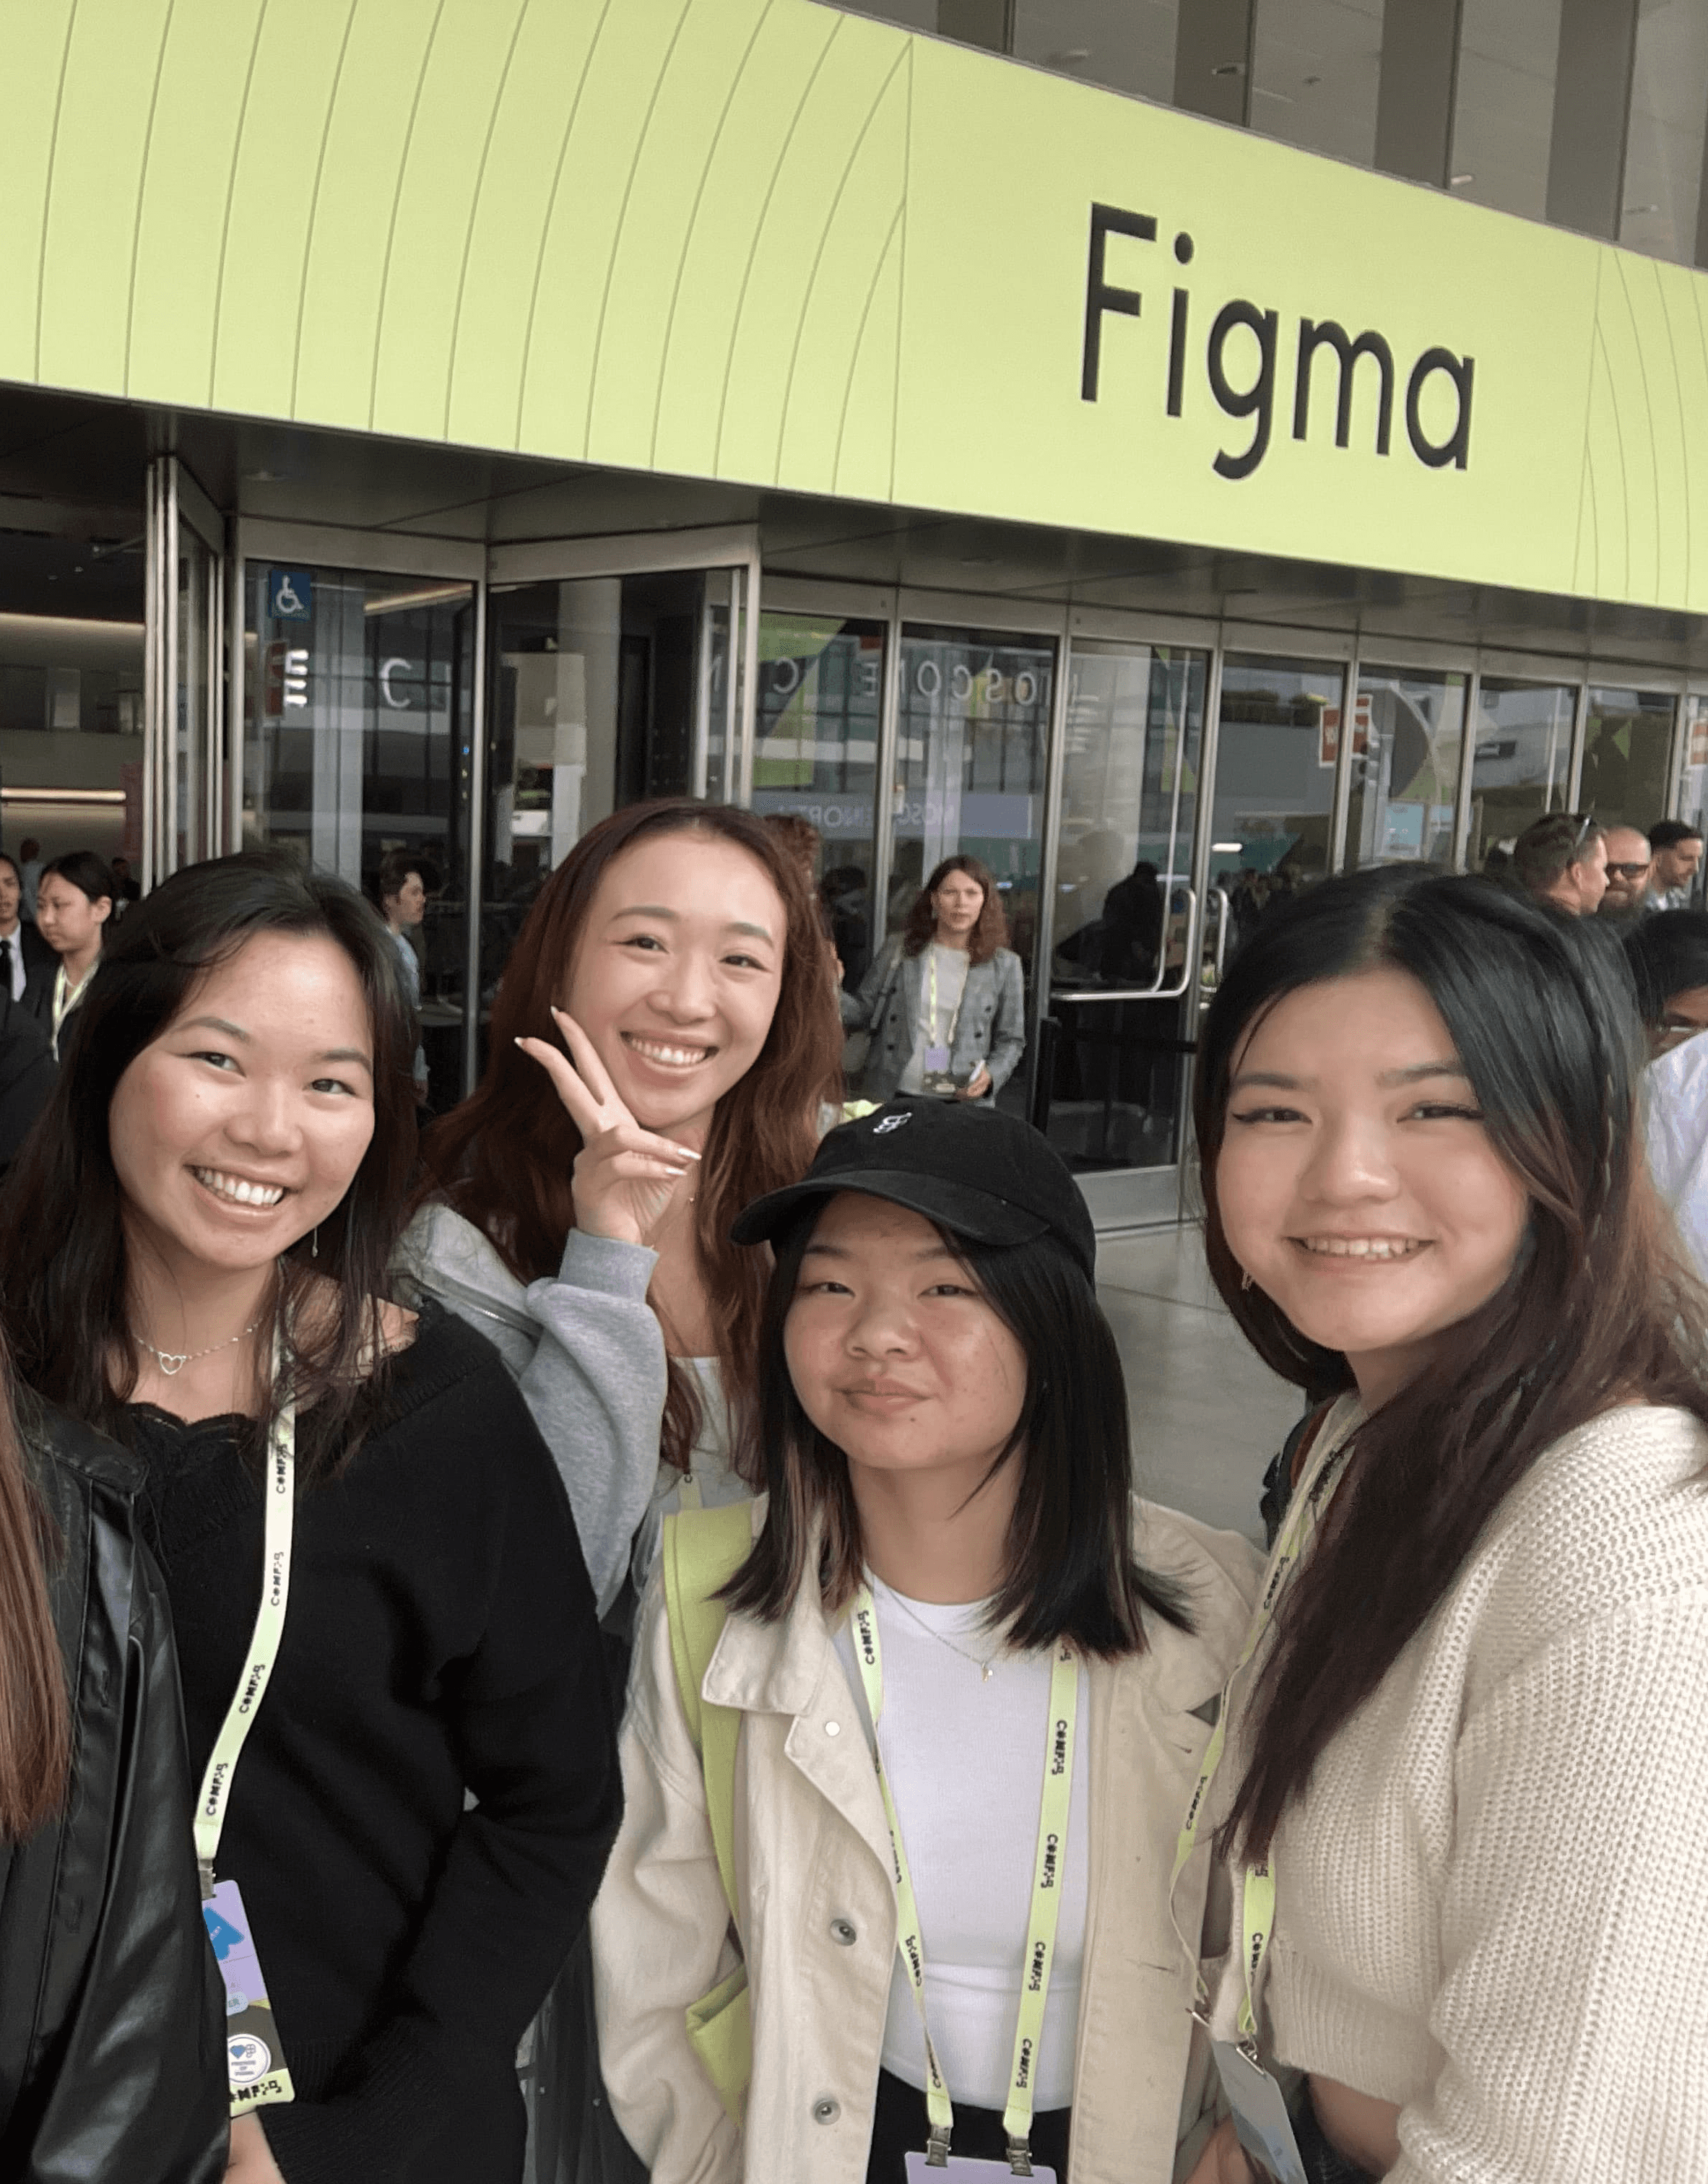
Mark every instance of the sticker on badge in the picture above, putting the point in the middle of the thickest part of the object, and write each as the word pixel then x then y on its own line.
pixel 255 2067
pixel 920 2170
pixel 1260 2120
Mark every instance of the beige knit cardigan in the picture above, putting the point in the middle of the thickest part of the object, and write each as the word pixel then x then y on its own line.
pixel 1491 1900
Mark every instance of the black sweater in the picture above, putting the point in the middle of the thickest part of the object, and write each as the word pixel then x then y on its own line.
pixel 440 1635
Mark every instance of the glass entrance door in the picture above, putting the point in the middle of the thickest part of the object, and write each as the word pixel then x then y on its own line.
pixel 1112 1059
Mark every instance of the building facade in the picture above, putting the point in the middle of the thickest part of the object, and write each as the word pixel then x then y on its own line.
pixel 435 423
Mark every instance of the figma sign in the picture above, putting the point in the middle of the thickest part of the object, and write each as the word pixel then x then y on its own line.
pixel 1237 325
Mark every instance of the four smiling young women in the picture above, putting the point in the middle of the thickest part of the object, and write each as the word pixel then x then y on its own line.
pixel 938 1740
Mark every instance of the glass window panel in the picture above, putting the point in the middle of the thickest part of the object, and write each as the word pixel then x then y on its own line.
pixel 1124 45
pixel 1408 733
pixel 357 697
pixel 1663 150
pixel 1503 113
pixel 1521 762
pixel 973 735
pixel 821 695
pixel 1692 762
pixel 1273 802
pixel 1627 738
pixel 1133 739
pixel 1314 71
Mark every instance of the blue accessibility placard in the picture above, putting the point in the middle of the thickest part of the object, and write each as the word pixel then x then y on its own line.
pixel 290 594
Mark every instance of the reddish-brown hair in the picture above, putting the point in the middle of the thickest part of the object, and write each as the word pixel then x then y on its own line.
pixel 503 1158
pixel 35 1711
pixel 990 934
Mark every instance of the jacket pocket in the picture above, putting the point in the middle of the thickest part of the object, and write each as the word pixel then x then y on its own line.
pixel 721 2032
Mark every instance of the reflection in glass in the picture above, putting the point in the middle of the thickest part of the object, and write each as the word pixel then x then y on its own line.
pixel 1663 151
pixel 1627 740
pixel 1274 795
pixel 1503 115
pixel 1521 762
pixel 1408 736
pixel 197 823
pixel 356 696
pixel 1129 806
pixel 1315 73
pixel 820 693
pixel 1692 765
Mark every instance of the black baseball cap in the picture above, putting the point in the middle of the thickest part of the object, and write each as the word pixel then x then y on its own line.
pixel 979 1174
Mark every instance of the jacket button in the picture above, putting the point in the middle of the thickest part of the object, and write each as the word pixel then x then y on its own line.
pixel 825 2110
pixel 843 1931
pixel 833 1729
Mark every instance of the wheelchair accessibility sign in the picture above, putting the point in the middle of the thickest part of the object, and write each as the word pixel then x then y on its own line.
pixel 290 594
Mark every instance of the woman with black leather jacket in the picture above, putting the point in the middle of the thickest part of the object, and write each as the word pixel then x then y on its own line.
pixel 111 2062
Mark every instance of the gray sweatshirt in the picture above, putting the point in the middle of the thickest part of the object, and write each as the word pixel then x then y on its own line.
pixel 586 1351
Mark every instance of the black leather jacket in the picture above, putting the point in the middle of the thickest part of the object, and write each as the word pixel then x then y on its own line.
pixel 112 2047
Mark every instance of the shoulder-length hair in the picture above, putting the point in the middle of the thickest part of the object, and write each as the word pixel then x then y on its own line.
pixel 1597 1309
pixel 990 934
pixel 35 1707
pixel 64 1293
pixel 503 1158
pixel 1071 1573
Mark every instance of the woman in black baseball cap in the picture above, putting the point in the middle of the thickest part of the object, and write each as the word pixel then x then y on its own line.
pixel 812 1965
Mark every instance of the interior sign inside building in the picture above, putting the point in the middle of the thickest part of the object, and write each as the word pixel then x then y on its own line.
pixel 1246 355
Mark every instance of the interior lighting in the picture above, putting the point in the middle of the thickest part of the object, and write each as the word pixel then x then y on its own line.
pixel 62 796
pixel 1458 182
pixel 422 595
pixel 1226 849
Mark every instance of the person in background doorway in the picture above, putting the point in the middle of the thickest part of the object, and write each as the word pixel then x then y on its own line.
pixel 26 1075
pixel 1562 862
pixel 420 1816
pixel 404 904
pixel 30 868
pixel 74 901
pixel 1628 867
pixel 1668 956
pixel 125 889
pixel 944 1001
pixel 1467 1752
pixel 1676 848
pixel 946 1443
pixel 24 954
pixel 112 2019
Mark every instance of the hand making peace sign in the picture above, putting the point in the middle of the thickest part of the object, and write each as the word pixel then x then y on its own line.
pixel 624 1177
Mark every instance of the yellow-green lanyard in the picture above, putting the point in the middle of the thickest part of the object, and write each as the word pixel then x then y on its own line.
pixel 263 1645
pixel 931 1035
pixel 1257 1894
pixel 1046 1897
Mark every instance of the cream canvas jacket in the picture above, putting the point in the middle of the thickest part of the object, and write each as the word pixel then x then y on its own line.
pixel 818 1915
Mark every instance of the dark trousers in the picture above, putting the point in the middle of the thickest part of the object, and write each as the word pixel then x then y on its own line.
pixel 901 2123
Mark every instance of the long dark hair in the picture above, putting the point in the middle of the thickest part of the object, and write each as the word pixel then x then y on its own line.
pixel 1071 1567
pixel 505 1158
pixel 990 934
pixel 1597 1308
pixel 35 1710
pixel 64 1297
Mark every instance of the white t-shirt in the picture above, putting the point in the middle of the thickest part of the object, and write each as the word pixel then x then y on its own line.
pixel 966 1761
pixel 936 1027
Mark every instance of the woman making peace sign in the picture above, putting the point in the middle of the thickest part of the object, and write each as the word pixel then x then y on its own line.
pixel 584 1198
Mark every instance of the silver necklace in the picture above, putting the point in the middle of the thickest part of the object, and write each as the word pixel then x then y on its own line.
pixel 173 1362
pixel 986 1664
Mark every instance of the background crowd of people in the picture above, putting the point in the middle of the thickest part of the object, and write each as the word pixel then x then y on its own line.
pixel 648 1568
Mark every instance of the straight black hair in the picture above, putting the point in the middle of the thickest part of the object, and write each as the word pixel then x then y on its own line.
pixel 1597 1310
pixel 64 1300
pixel 84 870
pixel 1071 1573
pixel 1668 954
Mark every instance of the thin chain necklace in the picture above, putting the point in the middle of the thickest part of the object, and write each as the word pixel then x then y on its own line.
pixel 986 1663
pixel 173 1362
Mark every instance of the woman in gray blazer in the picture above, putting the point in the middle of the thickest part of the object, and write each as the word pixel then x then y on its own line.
pixel 944 1001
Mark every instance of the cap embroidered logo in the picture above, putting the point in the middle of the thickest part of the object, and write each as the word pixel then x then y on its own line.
pixel 889 1122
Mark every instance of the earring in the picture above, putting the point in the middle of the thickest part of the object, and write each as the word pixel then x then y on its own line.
pixel 1244 1280
pixel 315 1248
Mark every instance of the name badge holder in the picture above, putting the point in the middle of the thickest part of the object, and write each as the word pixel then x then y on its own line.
pixel 257 2073
pixel 935 1074
pixel 1255 2095
pixel 1040 1938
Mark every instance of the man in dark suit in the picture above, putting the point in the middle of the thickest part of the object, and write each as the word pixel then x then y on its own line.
pixel 27 963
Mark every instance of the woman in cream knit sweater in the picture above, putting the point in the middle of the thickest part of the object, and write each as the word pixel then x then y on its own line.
pixel 1469 1745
